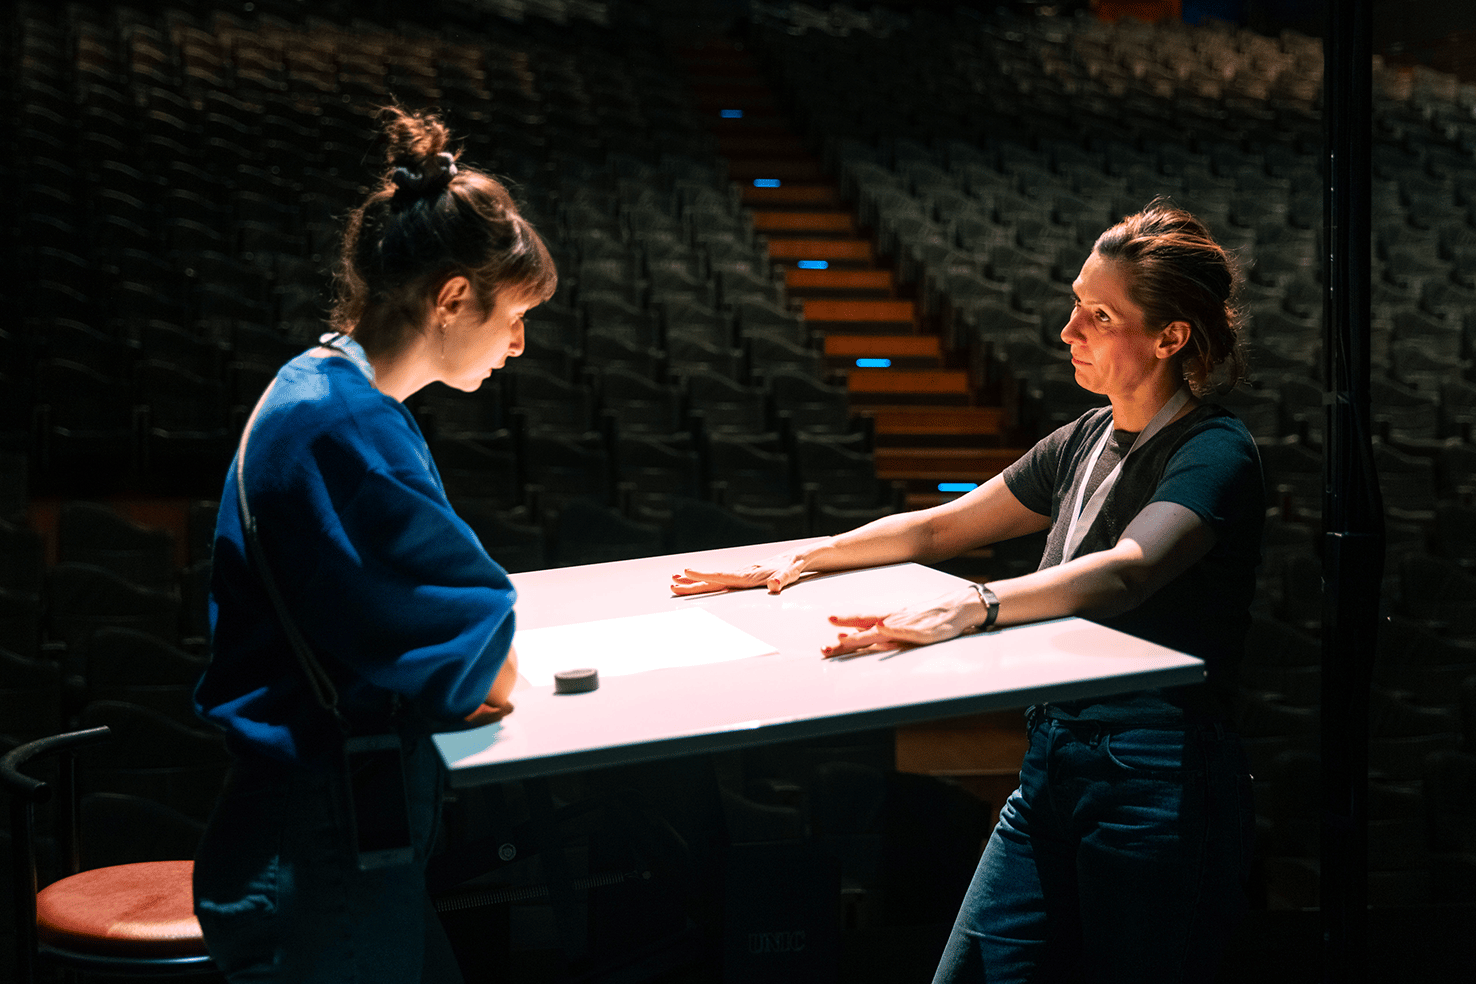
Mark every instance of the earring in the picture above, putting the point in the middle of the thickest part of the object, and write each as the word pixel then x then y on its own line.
pixel 443 341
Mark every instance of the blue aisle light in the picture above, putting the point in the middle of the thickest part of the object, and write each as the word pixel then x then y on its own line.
pixel 873 363
pixel 957 486
pixel 766 182
pixel 731 114
pixel 813 264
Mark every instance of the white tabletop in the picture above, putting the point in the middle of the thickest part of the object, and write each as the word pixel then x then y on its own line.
pixel 794 693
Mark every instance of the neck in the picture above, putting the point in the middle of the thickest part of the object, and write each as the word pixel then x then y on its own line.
pixel 402 372
pixel 401 369
pixel 399 377
pixel 1133 411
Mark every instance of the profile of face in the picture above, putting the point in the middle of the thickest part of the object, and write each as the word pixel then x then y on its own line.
pixel 475 342
pixel 1113 350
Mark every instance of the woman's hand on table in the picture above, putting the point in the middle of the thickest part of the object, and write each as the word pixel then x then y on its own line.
pixel 489 713
pixel 497 704
pixel 940 618
pixel 776 573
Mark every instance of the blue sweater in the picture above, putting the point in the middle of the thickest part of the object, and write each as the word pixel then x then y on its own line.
pixel 391 590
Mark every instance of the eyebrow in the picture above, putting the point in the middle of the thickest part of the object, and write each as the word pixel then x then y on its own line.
pixel 1097 304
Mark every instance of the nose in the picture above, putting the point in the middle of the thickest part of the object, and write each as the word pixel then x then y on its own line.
pixel 1071 331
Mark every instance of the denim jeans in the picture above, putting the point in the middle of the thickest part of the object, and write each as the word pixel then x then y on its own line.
pixel 279 893
pixel 1122 857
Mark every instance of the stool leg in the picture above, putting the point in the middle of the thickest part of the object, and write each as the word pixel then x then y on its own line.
pixel 23 856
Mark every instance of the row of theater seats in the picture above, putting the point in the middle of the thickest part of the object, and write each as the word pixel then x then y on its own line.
pixel 182 174
pixel 992 225
pixel 167 288
pixel 1022 139
pixel 112 633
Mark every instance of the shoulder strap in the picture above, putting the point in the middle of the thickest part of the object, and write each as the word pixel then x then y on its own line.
pixel 318 680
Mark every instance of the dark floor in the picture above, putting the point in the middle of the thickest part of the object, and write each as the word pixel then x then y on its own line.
pixel 1404 946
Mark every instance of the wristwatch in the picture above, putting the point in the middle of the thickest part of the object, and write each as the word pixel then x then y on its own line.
pixel 990 602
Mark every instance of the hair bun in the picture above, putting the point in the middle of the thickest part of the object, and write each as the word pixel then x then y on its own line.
pixel 435 173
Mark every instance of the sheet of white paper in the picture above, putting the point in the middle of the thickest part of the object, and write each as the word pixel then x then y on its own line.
pixel 619 646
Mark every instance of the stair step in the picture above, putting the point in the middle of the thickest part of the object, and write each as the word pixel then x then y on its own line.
pixel 936 427
pixel 731 92
pixel 976 465
pixel 713 52
pixel 811 171
pixel 941 421
pixel 869 316
pixel 801 223
pixel 737 144
pixel 901 351
pixel 883 346
pixel 848 251
pixel 937 387
pixel 869 284
pixel 791 195
pixel 718 71
pixel 755 122
pixel 908 381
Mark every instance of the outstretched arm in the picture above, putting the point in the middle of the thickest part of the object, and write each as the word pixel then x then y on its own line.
pixel 986 515
pixel 1161 542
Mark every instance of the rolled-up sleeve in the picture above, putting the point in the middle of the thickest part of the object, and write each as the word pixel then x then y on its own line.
pixel 424 611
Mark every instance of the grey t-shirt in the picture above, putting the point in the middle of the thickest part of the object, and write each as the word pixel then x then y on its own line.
pixel 1205 461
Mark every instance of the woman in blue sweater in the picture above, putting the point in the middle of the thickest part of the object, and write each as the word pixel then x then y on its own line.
pixel 390 619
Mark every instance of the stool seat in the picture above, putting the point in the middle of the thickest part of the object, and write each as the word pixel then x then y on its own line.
pixel 143 910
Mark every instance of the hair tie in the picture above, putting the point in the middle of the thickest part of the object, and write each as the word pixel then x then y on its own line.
pixel 434 175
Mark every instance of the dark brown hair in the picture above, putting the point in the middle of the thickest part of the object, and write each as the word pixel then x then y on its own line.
pixel 1175 271
pixel 418 228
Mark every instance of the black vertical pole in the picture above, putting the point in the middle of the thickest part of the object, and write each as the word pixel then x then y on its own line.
pixel 1353 529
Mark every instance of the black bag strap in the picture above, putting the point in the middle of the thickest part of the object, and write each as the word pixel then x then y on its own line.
pixel 324 692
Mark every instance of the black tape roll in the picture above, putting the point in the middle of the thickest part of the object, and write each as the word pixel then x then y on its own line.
pixel 576 681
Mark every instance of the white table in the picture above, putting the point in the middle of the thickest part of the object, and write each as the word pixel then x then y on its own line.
pixel 793 694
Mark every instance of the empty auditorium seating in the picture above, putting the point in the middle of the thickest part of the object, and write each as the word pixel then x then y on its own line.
pixel 185 169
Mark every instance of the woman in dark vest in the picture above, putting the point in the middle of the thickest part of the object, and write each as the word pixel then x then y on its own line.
pixel 1124 852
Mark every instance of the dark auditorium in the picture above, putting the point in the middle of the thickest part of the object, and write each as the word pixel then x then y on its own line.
pixel 683 540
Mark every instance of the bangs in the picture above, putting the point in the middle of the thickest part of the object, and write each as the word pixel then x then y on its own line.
pixel 530 272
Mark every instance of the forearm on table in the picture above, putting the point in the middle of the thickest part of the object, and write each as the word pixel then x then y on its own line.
pixel 892 539
pixel 988 514
pixel 506 679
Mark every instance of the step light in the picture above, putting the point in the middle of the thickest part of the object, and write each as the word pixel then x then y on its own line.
pixel 957 486
pixel 873 363
pixel 766 182
pixel 731 114
pixel 813 264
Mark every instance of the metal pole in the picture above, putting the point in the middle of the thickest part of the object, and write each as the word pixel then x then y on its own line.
pixel 1353 527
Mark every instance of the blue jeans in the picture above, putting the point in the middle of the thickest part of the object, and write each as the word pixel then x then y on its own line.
pixel 279 893
pixel 1122 857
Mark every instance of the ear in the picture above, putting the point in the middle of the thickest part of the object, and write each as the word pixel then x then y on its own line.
pixel 454 294
pixel 1172 339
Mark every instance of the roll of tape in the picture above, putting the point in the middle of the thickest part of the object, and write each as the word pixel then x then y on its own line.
pixel 576 681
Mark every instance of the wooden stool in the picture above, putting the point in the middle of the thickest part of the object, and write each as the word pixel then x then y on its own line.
pixel 125 919
pixel 142 910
